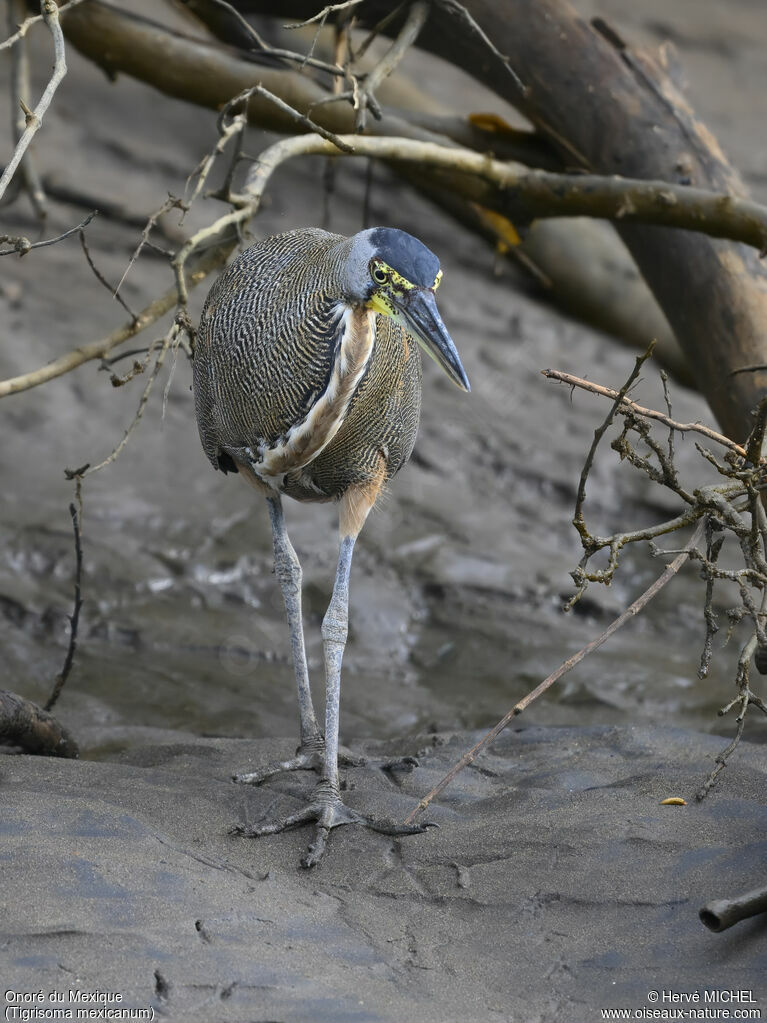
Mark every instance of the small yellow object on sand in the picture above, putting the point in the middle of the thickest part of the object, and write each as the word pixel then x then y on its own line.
pixel 673 801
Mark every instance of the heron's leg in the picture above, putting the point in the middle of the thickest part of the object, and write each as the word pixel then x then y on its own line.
pixel 327 807
pixel 287 568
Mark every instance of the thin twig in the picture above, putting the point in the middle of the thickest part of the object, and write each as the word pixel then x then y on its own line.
pixel 165 344
pixel 23 245
pixel 170 203
pixel 262 46
pixel 102 279
pixel 578 520
pixel 75 616
pixel 363 95
pixel 376 30
pixel 630 612
pixel 29 22
pixel 338 141
pixel 208 260
pixel 466 21
pixel 330 9
pixel 608 392
pixel 227 131
pixel 34 119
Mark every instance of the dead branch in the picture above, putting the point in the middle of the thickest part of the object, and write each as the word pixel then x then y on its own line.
pixel 322 16
pixel 74 620
pixel 171 203
pixel 608 392
pixel 22 245
pixel 201 264
pixel 34 118
pixel 719 914
pixel 168 341
pixel 227 131
pixel 541 193
pixel 578 520
pixel 227 24
pixel 27 24
pixel 299 118
pixel 363 94
pixel 102 279
pixel 721 508
pixel 208 74
pixel 631 612
pixel 20 90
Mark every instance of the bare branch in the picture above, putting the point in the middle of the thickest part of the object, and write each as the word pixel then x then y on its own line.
pixel 330 9
pixel 29 22
pixel 299 118
pixel 171 203
pixel 543 194
pixel 362 94
pixel 22 245
pixel 245 31
pixel 20 90
pixel 208 260
pixel 168 340
pixel 75 617
pixel 578 520
pixel 608 392
pixel 631 612
pixel 101 279
pixel 34 119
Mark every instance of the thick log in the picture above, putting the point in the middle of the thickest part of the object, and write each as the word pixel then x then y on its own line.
pixel 34 730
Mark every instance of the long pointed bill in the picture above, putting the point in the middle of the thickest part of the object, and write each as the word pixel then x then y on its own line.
pixel 420 315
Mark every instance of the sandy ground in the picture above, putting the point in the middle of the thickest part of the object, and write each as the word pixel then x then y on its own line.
pixel 457 586
pixel 556 885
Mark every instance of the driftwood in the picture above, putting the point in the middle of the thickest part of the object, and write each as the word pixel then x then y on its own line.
pixel 34 730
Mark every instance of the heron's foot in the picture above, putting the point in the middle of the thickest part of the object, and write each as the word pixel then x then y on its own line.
pixel 309 756
pixel 328 811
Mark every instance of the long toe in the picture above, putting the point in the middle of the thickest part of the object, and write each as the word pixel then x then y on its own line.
pixel 308 757
pixel 329 811
pixel 293 820
pixel 337 813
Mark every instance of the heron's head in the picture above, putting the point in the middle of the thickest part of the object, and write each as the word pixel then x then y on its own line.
pixel 395 275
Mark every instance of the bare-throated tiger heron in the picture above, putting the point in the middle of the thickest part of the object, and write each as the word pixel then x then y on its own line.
pixel 307 382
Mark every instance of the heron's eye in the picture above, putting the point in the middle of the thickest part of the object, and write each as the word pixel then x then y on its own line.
pixel 379 275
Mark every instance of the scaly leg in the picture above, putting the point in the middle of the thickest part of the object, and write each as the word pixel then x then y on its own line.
pixel 327 808
pixel 287 568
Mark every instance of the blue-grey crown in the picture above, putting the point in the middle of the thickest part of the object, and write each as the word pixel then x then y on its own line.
pixel 406 255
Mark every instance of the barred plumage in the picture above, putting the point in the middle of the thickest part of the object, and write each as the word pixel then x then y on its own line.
pixel 307 380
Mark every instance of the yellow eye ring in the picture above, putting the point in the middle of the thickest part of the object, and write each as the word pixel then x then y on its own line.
pixel 379 275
